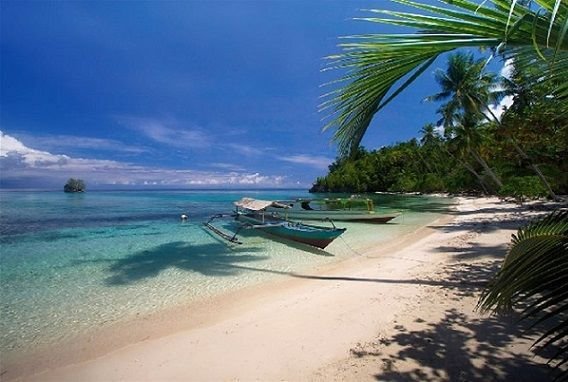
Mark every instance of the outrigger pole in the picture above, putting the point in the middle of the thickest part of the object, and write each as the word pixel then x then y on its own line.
pixel 224 235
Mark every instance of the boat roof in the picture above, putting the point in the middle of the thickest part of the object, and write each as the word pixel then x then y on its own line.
pixel 258 204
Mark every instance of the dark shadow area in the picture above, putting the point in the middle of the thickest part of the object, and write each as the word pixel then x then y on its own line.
pixel 442 352
pixel 476 251
pixel 455 284
pixel 207 259
pixel 470 278
pixel 483 226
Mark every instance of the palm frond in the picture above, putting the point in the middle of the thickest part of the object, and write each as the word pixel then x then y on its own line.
pixel 535 272
pixel 374 63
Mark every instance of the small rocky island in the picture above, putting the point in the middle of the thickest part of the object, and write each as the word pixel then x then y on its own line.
pixel 74 185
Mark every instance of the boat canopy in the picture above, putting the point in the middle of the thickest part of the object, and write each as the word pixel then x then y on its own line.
pixel 257 204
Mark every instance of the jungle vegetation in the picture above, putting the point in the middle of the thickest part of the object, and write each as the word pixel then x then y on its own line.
pixel 468 149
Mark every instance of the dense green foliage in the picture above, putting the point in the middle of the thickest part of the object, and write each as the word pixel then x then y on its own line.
pixel 477 152
pixel 435 165
pixel 442 164
pixel 74 185
pixel 377 67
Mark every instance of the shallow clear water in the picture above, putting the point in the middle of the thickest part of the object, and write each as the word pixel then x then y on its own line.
pixel 72 262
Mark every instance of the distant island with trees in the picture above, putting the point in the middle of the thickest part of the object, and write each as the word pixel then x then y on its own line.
pixel 74 185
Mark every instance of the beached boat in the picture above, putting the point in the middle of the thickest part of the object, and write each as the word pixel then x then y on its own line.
pixel 253 214
pixel 343 209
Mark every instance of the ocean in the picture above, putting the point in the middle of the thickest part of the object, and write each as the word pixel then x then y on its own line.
pixel 71 263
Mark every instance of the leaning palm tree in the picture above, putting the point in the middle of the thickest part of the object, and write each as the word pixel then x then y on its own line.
pixel 468 90
pixel 380 66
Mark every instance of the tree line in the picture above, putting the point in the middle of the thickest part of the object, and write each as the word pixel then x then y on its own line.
pixel 470 149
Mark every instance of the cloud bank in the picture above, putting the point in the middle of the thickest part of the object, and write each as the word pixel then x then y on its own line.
pixel 22 166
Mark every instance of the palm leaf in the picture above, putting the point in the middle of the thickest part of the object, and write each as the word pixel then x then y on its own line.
pixel 535 272
pixel 376 62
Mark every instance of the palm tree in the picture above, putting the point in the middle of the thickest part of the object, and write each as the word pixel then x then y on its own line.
pixel 431 139
pixel 523 93
pixel 468 90
pixel 376 63
pixel 466 85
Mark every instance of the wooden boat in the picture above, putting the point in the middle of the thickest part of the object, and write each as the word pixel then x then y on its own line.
pixel 343 209
pixel 252 214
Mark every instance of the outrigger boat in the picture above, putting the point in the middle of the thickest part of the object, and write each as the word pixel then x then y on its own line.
pixel 344 209
pixel 253 214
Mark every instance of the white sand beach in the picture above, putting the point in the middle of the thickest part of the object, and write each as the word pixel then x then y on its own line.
pixel 403 312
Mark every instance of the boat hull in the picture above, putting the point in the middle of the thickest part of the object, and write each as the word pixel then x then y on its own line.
pixel 362 216
pixel 315 236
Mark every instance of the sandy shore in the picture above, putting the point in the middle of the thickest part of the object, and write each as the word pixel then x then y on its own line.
pixel 396 313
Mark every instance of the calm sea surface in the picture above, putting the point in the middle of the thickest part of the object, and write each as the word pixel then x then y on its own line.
pixel 73 262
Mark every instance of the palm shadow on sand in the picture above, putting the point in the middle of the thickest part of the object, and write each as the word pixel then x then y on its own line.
pixel 213 259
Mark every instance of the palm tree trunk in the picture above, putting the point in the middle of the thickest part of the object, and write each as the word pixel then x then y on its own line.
pixel 470 169
pixel 486 167
pixel 534 167
pixel 479 177
pixel 523 155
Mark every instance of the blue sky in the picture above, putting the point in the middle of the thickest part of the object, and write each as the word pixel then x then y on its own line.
pixel 179 93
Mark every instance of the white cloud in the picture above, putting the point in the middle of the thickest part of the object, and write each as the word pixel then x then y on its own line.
pixel 168 132
pixel 507 69
pixel 318 162
pixel 507 101
pixel 246 150
pixel 500 108
pixel 19 163
pixel 65 142
pixel 227 166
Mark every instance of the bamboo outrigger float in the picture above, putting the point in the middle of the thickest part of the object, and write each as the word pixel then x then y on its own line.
pixel 252 214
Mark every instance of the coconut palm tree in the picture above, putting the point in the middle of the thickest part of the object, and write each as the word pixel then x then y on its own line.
pixel 468 90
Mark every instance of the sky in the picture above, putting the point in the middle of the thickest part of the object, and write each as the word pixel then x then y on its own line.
pixel 179 94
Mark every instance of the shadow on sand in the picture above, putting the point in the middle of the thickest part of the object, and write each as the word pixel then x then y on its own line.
pixel 458 348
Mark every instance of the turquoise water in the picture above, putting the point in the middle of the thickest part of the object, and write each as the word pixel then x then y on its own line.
pixel 73 262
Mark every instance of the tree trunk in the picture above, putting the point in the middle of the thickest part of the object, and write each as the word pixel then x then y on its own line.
pixel 524 156
pixel 479 177
pixel 470 169
pixel 534 167
pixel 486 168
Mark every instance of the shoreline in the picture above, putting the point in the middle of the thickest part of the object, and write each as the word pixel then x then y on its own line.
pixel 308 326
pixel 193 315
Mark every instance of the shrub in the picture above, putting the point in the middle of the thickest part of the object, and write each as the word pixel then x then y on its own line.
pixel 523 187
